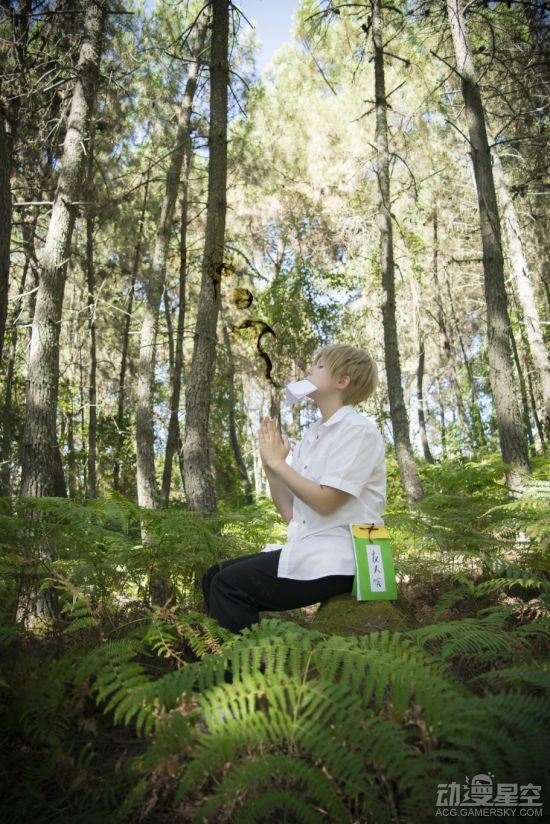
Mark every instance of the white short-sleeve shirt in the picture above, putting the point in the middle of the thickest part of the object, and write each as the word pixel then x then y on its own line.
pixel 347 452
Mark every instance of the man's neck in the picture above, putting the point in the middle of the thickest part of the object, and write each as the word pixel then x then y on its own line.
pixel 328 407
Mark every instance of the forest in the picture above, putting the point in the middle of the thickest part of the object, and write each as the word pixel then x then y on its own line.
pixel 180 234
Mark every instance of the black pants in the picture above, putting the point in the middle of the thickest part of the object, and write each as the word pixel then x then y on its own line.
pixel 244 586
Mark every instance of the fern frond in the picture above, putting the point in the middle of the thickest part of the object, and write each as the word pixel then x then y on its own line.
pixel 254 779
pixel 472 637
pixel 119 681
pixel 279 805
pixel 526 580
pixel 450 598
pixel 203 634
pixel 519 715
pixel 350 711
pixel 538 628
pixel 170 629
pixel 526 675
pixel 322 712
pixel 385 665
pixel 314 719
pixel 44 716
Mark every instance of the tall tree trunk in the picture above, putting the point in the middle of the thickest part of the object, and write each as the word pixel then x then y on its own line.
pixel 513 443
pixel 523 392
pixel 241 466
pixel 7 413
pixel 121 397
pixel 542 252
pixel 71 454
pixel 6 448
pixel 90 281
pixel 173 426
pixel 169 331
pixel 29 238
pixel 420 398
pixel 199 484
pixel 448 347
pixel 154 286
pixel 416 302
pixel 475 413
pixel 40 440
pixel 527 370
pixel 522 278
pixel 10 103
pixel 398 412
pixel 83 469
pixel 41 468
pixel 5 225
pixel 443 425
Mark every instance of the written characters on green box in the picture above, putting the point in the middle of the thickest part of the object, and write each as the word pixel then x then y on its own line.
pixel 375 572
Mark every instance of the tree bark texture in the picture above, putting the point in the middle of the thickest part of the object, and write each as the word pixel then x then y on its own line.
pixel 173 425
pixel 416 304
pixel 476 428
pixel 241 466
pixel 154 287
pixel 121 394
pixel 5 225
pixel 512 438
pixel 528 370
pixel 7 413
pixel 199 483
pixel 443 426
pixel 523 392
pixel 92 375
pixel 526 293
pixel 420 400
pixel 398 412
pixel 10 104
pixel 40 439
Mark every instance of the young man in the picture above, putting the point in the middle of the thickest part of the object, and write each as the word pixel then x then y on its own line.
pixel 337 477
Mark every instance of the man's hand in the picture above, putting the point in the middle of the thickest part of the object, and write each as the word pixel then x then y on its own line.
pixel 273 450
pixel 273 447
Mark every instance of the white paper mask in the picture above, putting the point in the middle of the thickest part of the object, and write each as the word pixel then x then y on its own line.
pixel 297 390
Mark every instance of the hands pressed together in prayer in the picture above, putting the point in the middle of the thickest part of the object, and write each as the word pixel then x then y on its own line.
pixel 273 447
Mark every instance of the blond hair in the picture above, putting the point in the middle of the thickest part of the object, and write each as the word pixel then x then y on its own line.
pixel 343 360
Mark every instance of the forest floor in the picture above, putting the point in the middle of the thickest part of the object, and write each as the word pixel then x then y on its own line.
pixel 474 618
pixel 98 748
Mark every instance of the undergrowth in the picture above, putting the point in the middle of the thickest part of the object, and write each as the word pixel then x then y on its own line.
pixel 120 710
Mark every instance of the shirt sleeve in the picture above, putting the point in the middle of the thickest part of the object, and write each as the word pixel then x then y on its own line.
pixel 353 459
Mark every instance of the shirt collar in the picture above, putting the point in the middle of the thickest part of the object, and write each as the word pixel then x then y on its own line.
pixel 334 418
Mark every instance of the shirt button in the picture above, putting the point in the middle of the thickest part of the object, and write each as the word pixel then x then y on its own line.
pixel 305 466
pixel 303 522
pixel 316 437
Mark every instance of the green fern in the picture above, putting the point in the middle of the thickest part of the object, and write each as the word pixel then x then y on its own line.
pixel 44 715
pixel 174 627
pixel 349 709
pixel 118 679
pixel 473 638
pixel 526 676
pixel 296 787
pixel 511 576
pixel 313 727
